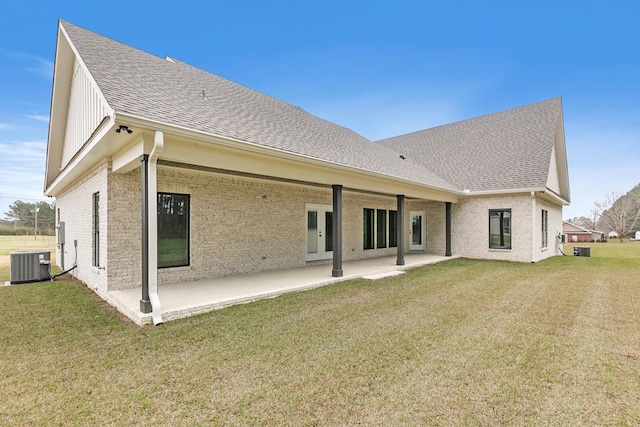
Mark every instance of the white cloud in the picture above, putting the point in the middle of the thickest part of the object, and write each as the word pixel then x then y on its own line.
pixel 39 117
pixel 21 171
pixel 35 64
pixel 42 67
pixel 23 150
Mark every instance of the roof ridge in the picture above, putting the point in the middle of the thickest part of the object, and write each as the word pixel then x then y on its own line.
pixel 509 110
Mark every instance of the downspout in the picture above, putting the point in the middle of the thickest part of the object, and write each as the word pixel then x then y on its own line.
pixel 158 145
pixel 533 226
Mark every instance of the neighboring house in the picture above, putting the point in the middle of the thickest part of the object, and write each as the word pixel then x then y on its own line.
pixel 164 173
pixel 575 233
pixel 637 236
pixel 613 234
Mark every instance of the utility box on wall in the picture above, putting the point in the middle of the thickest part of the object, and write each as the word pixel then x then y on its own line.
pixel 30 266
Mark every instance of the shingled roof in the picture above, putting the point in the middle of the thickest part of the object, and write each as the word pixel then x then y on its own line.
pixel 509 150
pixel 175 93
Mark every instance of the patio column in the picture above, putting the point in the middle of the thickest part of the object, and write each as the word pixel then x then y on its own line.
pixel 400 229
pixel 145 302
pixel 337 231
pixel 447 246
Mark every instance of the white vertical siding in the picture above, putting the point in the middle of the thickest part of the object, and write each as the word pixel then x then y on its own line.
pixel 86 111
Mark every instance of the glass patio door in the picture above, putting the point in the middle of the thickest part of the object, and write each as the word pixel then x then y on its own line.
pixel 417 232
pixel 319 224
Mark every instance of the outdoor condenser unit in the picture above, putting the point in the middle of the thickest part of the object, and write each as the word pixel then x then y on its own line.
pixel 582 251
pixel 29 266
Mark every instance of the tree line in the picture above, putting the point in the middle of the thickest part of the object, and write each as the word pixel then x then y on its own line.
pixel 21 218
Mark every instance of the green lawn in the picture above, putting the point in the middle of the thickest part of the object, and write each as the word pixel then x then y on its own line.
pixel 458 343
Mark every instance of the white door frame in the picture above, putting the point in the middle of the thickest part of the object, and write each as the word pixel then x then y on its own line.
pixel 319 239
pixel 421 245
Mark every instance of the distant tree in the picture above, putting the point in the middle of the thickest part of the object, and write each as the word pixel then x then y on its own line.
pixel 620 213
pixel 46 215
pixel 23 213
pixel 595 216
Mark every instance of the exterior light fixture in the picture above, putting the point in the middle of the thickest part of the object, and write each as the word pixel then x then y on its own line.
pixel 123 128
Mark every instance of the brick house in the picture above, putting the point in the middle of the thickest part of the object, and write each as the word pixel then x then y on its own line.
pixel 575 233
pixel 164 173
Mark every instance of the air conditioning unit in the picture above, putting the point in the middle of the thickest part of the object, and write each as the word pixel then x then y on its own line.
pixel 30 266
pixel 582 251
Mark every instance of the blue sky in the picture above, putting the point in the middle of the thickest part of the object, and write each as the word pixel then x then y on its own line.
pixel 379 68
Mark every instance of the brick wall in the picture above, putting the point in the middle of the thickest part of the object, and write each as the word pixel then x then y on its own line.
pixel 75 205
pixel 470 228
pixel 554 221
pixel 240 225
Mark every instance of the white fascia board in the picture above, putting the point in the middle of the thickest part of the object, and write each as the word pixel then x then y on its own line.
pixel 253 147
pixel 78 159
pixel 59 112
pixel 542 190
pixel 110 110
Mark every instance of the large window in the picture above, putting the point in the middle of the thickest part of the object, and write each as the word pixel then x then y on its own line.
pixel 173 230
pixel 545 228
pixel 95 227
pixel 500 228
pixel 381 228
pixel 393 229
pixel 368 225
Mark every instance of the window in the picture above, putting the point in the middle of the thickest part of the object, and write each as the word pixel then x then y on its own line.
pixel 173 230
pixel 545 228
pixel 500 228
pixel 95 239
pixel 381 230
pixel 368 226
pixel 393 229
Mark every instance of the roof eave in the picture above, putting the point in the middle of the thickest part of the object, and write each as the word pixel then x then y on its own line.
pixel 543 190
pixel 232 142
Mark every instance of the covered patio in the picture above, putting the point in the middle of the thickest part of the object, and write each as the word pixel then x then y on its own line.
pixel 190 298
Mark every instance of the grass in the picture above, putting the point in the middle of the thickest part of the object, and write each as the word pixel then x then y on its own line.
pixel 458 343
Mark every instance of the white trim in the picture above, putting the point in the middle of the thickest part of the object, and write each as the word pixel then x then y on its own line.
pixel 253 147
pixel 321 229
pixel 543 191
pixel 73 164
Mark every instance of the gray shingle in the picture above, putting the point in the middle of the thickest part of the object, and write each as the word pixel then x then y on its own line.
pixel 171 92
pixel 508 150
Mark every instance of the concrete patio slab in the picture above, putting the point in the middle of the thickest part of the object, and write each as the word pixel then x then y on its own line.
pixel 187 299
